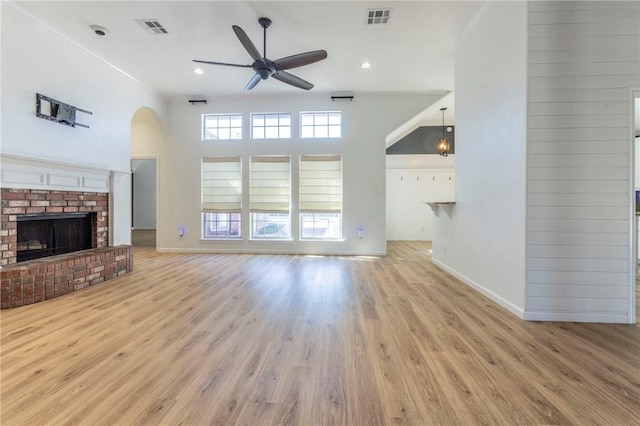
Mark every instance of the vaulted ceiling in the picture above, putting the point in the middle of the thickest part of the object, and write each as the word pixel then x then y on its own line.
pixel 413 51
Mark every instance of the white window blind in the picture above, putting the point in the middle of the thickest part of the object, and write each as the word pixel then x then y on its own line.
pixel 221 184
pixel 320 184
pixel 270 184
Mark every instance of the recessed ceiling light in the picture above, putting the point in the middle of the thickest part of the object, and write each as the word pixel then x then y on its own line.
pixel 198 70
pixel 365 65
pixel 99 30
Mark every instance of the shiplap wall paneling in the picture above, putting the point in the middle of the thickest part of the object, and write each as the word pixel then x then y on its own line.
pixel 583 61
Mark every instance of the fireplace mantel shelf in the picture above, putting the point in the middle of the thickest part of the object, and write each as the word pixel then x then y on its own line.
pixel 43 162
pixel 43 174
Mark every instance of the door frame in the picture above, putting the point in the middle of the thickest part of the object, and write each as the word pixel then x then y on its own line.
pixel 633 264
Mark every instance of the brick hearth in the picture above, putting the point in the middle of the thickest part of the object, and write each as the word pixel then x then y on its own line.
pixel 41 279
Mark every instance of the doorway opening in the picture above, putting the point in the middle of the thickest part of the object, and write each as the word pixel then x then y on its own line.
pixel 144 201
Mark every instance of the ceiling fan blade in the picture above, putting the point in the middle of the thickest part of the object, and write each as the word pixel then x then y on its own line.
pixel 253 82
pixel 246 42
pixel 300 59
pixel 293 80
pixel 221 63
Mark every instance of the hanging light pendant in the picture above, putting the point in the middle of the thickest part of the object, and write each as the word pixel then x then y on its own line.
pixel 443 144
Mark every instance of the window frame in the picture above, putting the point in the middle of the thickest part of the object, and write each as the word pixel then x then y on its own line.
pixel 229 221
pixel 254 226
pixel 264 127
pixel 340 236
pixel 315 126
pixel 218 115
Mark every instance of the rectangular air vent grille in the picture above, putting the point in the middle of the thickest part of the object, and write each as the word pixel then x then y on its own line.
pixel 152 26
pixel 378 16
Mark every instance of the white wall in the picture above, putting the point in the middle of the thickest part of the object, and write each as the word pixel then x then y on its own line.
pixel 144 194
pixel 483 243
pixel 147 133
pixel 367 120
pixel 584 59
pixel 636 126
pixel 412 181
pixel 36 59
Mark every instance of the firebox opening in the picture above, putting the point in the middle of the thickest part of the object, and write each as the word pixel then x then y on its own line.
pixel 43 235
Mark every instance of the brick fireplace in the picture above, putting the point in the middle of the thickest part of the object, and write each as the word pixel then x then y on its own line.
pixel 36 280
pixel 17 202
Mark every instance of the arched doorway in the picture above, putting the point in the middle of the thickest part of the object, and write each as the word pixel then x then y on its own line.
pixel 147 134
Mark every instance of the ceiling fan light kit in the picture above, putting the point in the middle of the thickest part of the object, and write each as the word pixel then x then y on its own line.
pixel 264 67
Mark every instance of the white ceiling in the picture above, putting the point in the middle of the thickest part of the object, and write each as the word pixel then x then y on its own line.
pixel 413 52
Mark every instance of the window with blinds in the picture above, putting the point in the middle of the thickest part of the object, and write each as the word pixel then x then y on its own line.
pixel 320 189
pixel 270 197
pixel 320 184
pixel 221 197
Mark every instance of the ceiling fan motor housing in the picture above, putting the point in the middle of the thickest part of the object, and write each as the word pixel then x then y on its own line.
pixel 265 68
pixel 264 22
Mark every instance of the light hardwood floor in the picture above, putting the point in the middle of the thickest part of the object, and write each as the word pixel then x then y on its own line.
pixel 195 339
pixel 143 238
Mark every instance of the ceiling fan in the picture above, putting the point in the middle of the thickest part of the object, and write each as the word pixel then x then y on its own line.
pixel 265 68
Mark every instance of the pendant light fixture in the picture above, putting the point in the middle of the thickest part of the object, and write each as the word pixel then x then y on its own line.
pixel 443 144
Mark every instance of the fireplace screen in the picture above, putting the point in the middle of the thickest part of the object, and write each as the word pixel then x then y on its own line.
pixel 52 234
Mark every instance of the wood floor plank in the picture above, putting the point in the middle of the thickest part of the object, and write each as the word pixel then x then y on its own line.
pixel 196 339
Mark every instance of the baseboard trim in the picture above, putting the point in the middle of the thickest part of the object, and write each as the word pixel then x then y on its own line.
pixel 267 251
pixel 576 317
pixel 481 289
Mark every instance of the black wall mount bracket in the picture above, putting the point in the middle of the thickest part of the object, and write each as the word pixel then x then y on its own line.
pixel 54 110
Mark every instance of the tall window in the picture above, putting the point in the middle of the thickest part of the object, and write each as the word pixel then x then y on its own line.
pixel 221 197
pixel 320 197
pixel 271 126
pixel 221 126
pixel 270 197
pixel 321 124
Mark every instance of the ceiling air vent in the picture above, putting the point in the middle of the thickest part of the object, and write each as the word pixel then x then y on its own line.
pixel 378 16
pixel 152 26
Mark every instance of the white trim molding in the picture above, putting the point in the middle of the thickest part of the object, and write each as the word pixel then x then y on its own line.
pixel 486 292
pixel 35 173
